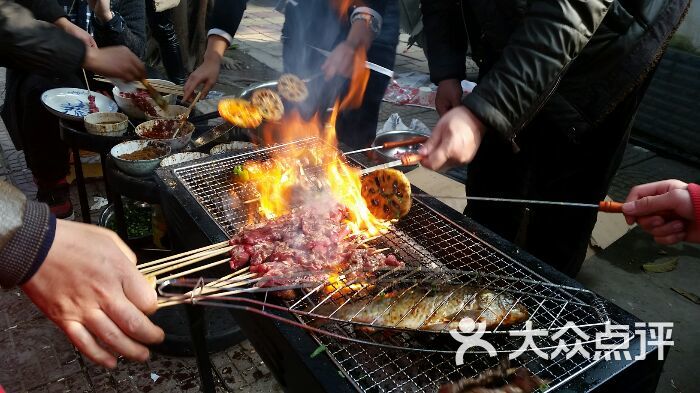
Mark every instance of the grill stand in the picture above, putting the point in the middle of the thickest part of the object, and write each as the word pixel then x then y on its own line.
pixel 286 350
pixel 195 315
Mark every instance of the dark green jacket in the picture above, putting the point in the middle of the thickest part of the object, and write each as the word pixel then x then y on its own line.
pixel 572 59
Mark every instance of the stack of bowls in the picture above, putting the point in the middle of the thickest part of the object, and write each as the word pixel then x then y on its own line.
pixel 106 123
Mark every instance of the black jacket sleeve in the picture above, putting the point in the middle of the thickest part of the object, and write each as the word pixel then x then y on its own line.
pixel 46 10
pixel 32 45
pixel 446 40
pixel 549 37
pixel 128 27
pixel 226 15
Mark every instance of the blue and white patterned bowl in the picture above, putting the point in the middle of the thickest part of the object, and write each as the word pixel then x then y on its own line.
pixel 73 104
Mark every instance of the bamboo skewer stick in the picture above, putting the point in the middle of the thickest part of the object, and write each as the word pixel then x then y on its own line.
pixel 182 254
pixel 170 266
pixel 229 276
pixel 186 260
pixel 196 269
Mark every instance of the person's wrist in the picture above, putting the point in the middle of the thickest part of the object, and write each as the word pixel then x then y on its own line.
pixel 62 23
pixel 104 16
pixel 90 58
pixel 446 82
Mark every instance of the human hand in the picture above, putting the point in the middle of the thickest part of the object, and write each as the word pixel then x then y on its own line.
pixel 340 61
pixel 64 24
pixel 664 209
pixel 115 61
pixel 454 141
pixel 205 75
pixel 89 286
pixel 449 95
pixel 102 10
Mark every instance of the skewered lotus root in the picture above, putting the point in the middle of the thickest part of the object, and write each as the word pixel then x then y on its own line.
pixel 387 193
pixel 240 113
pixel 268 103
pixel 292 88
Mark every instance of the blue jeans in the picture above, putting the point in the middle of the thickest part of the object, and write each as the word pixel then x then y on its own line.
pixel 315 23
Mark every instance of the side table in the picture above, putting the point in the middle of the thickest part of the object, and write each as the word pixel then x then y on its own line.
pixel 76 137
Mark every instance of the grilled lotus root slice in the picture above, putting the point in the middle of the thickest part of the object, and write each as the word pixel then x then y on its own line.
pixel 240 113
pixel 387 193
pixel 292 88
pixel 268 103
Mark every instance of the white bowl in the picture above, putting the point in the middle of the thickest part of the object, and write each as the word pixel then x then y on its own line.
pixel 233 147
pixel 128 106
pixel 138 167
pixel 176 143
pixel 179 158
pixel 106 123
pixel 172 112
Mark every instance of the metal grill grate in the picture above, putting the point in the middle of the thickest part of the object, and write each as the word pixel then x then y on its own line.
pixel 422 238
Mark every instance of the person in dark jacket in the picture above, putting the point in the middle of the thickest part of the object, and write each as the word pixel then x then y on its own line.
pixel 559 84
pixel 32 127
pixel 341 29
pixel 371 26
pixel 81 276
pixel 163 31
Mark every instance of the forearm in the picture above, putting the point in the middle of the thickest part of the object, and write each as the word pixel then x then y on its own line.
pixel 216 47
pixel 539 51
pixel 694 191
pixel 26 234
pixel 360 35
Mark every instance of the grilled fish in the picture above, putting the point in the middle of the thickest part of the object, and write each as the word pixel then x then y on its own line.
pixel 432 309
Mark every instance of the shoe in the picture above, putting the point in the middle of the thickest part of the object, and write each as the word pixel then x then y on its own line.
pixel 57 196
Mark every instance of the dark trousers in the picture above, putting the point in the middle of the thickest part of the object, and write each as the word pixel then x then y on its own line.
pixel 46 154
pixel 163 31
pixel 558 163
pixel 315 23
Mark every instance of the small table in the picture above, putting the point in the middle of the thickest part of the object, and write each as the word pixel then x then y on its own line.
pixel 73 133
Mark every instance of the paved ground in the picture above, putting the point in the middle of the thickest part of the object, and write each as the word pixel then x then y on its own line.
pixel 37 358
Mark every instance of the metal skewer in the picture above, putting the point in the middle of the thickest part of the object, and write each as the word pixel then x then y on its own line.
pixel 604 206
pixel 390 145
pixel 406 160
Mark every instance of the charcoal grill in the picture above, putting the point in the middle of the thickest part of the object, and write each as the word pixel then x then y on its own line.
pixel 431 235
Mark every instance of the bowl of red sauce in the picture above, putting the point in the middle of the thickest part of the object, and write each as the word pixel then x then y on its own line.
pixel 164 129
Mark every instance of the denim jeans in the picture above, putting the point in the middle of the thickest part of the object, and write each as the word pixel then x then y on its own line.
pixel 315 23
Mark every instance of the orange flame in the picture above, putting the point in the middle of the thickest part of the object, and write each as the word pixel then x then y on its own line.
pixel 291 176
pixel 358 80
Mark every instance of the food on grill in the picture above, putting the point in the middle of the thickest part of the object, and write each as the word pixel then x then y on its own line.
pixel 268 103
pixel 498 380
pixel 142 100
pixel 292 88
pixel 240 113
pixel 387 193
pixel 92 107
pixel 303 246
pixel 147 153
pixel 161 129
pixel 434 309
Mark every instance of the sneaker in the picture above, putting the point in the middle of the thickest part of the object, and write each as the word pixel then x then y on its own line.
pixel 58 198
